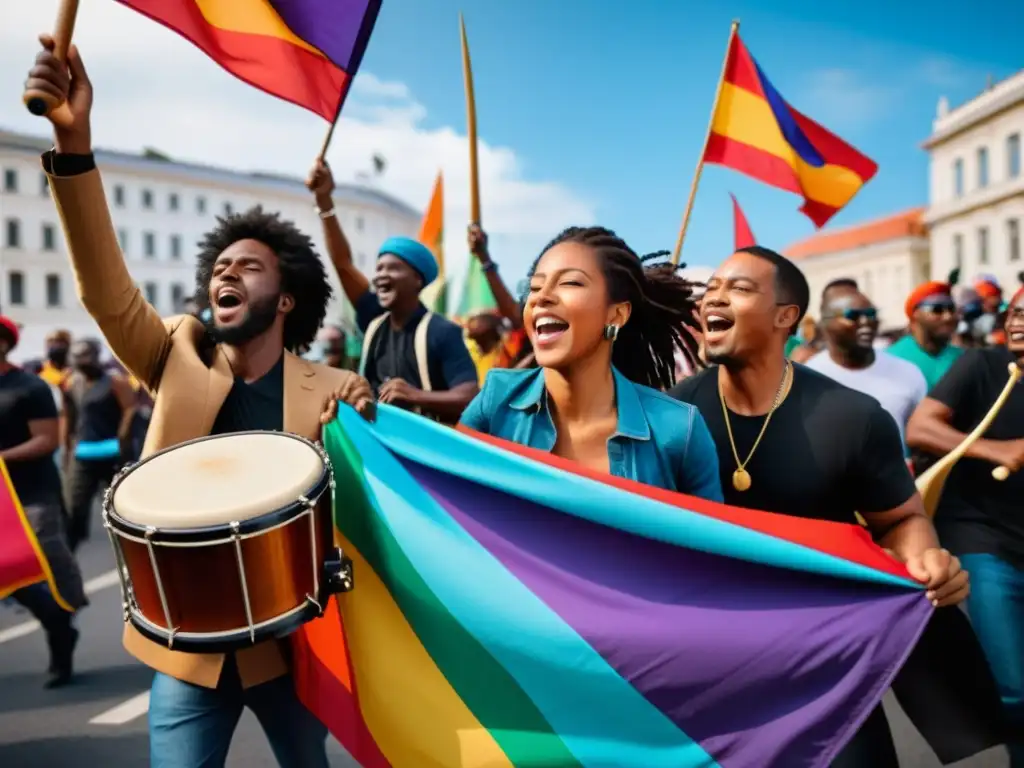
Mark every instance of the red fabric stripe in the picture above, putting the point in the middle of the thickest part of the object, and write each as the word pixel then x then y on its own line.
pixel 743 236
pixel 767 168
pixel 270 64
pixel 846 541
pixel 323 681
pixel 833 149
pixel 740 69
pixel 19 561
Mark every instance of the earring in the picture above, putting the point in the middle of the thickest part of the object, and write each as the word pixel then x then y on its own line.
pixel 611 332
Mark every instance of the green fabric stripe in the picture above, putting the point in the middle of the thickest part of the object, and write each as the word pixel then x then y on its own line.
pixel 490 693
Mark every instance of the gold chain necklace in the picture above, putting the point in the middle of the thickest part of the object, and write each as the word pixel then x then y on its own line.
pixel 741 478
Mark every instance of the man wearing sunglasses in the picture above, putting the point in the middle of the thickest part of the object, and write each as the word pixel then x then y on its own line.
pixel 933 322
pixel 850 323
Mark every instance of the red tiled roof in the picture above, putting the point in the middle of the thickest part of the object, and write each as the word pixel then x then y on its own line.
pixel 905 224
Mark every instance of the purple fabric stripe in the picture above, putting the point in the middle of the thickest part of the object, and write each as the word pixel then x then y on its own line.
pixel 337 28
pixel 759 665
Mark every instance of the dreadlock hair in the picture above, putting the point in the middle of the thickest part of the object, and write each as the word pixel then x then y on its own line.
pixel 662 301
pixel 302 272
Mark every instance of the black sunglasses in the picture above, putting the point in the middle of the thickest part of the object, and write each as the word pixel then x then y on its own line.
pixel 939 308
pixel 856 315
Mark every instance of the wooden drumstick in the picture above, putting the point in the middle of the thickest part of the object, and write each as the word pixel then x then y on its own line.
pixel 39 102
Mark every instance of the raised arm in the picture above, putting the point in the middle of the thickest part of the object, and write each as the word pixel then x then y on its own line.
pixel 507 305
pixel 353 282
pixel 132 328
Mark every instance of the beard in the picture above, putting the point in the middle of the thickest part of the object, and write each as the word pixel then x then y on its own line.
pixel 260 316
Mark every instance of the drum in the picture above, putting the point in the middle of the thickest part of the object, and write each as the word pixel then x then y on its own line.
pixel 225 541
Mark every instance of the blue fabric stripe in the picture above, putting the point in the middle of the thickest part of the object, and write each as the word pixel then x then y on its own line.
pixel 447 450
pixel 98 449
pixel 568 681
pixel 784 117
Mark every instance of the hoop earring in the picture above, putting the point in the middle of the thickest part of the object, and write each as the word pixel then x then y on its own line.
pixel 611 332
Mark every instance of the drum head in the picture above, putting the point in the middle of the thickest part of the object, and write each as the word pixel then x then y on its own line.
pixel 218 480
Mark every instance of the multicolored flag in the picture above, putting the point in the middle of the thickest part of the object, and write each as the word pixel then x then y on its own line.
pixel 435 295
pixel 476 291
pixel 513 609
pixel 754 131
pixel 743 235
pixel 302 51
pixel 22 561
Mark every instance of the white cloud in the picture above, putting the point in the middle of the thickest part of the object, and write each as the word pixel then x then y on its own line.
pixel 841 99
pixel 154 89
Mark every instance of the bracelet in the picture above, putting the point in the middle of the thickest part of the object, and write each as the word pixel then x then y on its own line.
pixel 324 214
pixel 489 266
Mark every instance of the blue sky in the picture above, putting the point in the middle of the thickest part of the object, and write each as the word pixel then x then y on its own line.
pixel 612 99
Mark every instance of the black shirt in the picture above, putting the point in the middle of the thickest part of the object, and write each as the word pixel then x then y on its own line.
pixel 25 397
pixel 255 406
pixel 978 514
pixel 828 452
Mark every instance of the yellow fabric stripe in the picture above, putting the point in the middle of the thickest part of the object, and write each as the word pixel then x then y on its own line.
pixel 249 17
pixel 428 726
pixel 748 119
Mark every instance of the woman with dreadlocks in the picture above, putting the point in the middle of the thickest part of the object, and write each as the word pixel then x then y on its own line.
pixel 605 324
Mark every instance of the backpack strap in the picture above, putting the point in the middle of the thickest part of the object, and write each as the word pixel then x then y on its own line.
pixel 368 337
pixel 420 348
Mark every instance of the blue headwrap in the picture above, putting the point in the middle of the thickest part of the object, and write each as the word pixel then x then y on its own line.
pixel 413 253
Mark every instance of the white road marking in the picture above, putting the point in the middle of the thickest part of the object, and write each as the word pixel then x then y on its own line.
pixel 124 712
pixel 103 581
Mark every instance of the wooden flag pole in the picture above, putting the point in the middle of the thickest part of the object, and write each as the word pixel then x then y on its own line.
pixel 39 102
pixel 707 138
pixel 334 123
pixel 474 169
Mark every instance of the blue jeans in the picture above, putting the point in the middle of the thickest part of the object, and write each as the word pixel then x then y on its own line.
pixel 996 608
pixel 191 726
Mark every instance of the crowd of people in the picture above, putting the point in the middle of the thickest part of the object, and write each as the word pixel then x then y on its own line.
pixel 723 391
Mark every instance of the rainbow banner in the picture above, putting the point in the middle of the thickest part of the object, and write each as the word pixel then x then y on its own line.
pixel 754 131
pixel 511 609
pixel 302 51
pixel 22 561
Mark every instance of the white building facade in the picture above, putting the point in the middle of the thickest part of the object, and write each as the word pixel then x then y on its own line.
pixel 976 185
pixel 887 257
pixel 161 209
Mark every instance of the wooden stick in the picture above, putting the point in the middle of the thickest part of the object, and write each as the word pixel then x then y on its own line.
pixel 474 169
pixel 707 138
pixel 334 123
pixel 39 102
pixel 930 484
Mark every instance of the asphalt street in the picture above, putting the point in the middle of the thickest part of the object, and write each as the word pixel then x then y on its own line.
pixel 100 720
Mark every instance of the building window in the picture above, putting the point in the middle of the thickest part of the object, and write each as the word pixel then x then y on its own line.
pixel 119 196
pixel 147 199
pixel 13 233
pixel 53 298
pixel 1013 239
pixel 1013 156
pixel 228 210
pixel 172 201
pixel 175 246
pixel 982 167
pixel 11 181
pixel 201 206
pixel 122 240
pixel 49 237
pixel 958 251
pixel 44 185
pixel 150 291
pixel 177 297
pixel 16 289
pixel 148 245
pixel 982 245
pixel 958 177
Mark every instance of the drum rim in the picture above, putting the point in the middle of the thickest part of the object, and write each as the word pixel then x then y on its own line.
pixel 199 534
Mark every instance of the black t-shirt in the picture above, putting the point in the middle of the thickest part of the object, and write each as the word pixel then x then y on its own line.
pixel 25 397
pixel 828 452
pixel 978 514
pixel 255 406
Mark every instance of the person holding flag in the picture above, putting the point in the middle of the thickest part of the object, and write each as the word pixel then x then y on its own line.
pixel 30 491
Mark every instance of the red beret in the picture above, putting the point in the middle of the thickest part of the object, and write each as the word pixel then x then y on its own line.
pixel 922 292
pixel 9 325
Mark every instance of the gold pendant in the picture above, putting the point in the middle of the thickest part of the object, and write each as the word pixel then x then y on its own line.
pixel 741 480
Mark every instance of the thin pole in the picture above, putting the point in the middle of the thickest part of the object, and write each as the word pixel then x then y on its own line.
pixel 39 102
pixel 334 123
pixel 707 138
pixel 474 170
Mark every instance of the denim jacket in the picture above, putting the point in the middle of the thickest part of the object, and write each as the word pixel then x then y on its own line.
pixel 658 440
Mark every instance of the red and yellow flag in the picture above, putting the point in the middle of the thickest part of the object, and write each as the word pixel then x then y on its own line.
pixel 431 235
pixel 22 561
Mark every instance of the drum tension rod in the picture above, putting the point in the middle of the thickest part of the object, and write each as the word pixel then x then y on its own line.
pixel 237 538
